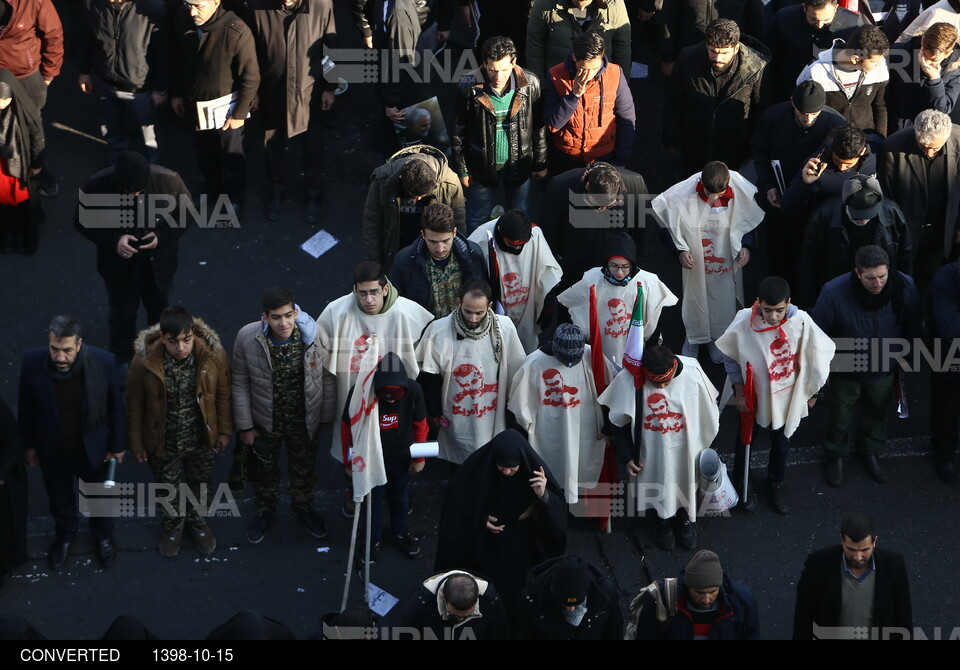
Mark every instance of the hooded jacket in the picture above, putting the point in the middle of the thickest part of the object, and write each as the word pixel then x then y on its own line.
pixel 475 130
pixel 707 123
pixel 422 611
pixel 540 616
pixel 381 212
pixel 409 270
pixel 252 369
pixel 146 397
pixel 552 30
pixel 867 109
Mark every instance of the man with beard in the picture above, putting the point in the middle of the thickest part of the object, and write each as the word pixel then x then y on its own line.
pixel 854 585
pixel 469 359
pixel 876 303
pixel 797 33
pixel 503 514
pixel 71 421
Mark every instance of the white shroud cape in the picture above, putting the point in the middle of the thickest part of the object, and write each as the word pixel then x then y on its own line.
pixel 615 307
pixel 344 333
pixel 525 280
pixel 676 424
pixel 712 290
pixel 787 371
pixel 475 387
pixel 558 408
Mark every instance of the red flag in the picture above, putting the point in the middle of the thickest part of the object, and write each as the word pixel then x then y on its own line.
pixel 598 504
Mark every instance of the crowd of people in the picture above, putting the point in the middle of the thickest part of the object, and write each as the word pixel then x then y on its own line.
pixel 531 352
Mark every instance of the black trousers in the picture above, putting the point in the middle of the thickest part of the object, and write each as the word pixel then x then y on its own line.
pixel 222 163
pixel 125 298
pixel 58 478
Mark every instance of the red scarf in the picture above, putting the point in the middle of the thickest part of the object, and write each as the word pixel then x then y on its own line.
pixel 722 201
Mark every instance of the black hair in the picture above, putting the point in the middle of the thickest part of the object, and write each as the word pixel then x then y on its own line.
pixel 871 256
pixel 819 4
pixel 603 178
pixel 588 46
pixel 497 48
pixel 175 320
pixel 658 359
pixel 715 177
pixel 64 325
pixel 848 142
pixel 417 178
pixel 867 41
pixel 369 271
pixel 461 591
pixel 857 527
pixel 276 298
pixel 722 33
pixel 773 291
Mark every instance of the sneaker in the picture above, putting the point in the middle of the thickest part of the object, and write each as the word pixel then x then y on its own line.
pixel 170 542
pixel 687 535
pixel 715 354
pixel 258 527
pixel 203 539
pixel 48 184
pixel 779 498
pixel 311 209
pixel 313 522
pixel 496 212
pixel 408 545
pixel 360 555
pixel 690 350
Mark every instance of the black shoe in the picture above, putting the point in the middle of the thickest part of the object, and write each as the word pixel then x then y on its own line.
pixel 875 467
pixel 779 498
pixel 687 535
pixel 258 527
pixel 311 210
pixel 947 471
pixel 59 551
pixel 48 184
pixel 274 205
pixel 358 559
pixel 408 545
pixel 834 471
pixel 665 535
pixel 313 522
pixel 749 504
pixel 106 553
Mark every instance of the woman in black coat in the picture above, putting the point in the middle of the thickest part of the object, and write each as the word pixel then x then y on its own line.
pixel 21 146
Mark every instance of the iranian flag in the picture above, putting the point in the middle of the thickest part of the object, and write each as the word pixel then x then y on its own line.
pixel 633 354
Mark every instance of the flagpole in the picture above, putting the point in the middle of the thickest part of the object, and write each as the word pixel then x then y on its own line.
pixel 366 567
pixel 353 545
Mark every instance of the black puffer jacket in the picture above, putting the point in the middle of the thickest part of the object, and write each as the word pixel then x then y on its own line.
pixel 475 130
pixel 126 46
pixel 409 274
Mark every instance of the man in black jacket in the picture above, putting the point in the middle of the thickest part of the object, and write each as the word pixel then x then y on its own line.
pixel 215 60
pixel 456 605
pixel 852 585
pixel 714 98
pixel 290 37
pixel 123 59
pixel 498 132
pixel 798 33
pixel 136 264
pixel 432 269
pixel 860 217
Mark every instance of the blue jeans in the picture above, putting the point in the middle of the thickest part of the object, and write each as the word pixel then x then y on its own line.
pixel 396 493
pixel 481 199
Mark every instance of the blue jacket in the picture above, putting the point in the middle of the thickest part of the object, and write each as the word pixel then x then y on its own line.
pixel 409 273
pixel 738 618
pixel 38 415
pixel 839 314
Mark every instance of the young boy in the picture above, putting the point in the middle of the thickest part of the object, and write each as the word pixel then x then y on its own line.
pixel 790 360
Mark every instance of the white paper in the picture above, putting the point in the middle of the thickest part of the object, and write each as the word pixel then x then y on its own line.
pixel 319 244
pixel 212 114
pixel 381 602
pixel 638 71
pixel 424 449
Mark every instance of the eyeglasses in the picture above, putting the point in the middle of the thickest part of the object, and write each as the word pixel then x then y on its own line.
pixel 613 267
pixel 373 293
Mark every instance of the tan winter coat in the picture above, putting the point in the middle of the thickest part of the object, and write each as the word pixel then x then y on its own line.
pixel 253 381
pixel 146 396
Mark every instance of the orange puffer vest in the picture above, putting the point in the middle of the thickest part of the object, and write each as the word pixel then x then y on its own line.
pixel 591 132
